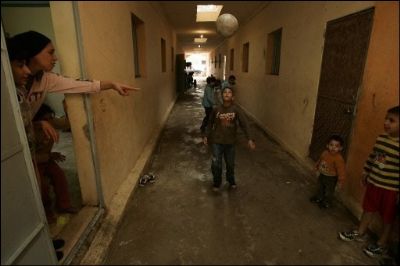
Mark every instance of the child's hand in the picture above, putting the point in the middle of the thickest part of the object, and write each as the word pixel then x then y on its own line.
pixel 57 157
pixel 251 144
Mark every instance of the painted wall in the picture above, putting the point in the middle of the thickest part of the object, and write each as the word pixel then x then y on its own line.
pixel 122 125
pixel 284 105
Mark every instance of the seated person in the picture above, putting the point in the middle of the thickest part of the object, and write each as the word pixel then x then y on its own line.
pixel 48 168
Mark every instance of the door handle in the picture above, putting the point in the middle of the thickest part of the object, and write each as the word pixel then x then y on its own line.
pixel 348 111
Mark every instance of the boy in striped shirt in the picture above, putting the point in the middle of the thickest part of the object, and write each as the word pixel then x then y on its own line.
pixel 381 177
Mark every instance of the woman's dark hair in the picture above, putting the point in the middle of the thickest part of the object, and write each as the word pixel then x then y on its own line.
pixel 42 112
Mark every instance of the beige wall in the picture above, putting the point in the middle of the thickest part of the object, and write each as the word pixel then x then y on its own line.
pixel 122 125
pixel 284 105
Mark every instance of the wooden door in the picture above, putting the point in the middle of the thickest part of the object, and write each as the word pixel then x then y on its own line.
pixel 345 50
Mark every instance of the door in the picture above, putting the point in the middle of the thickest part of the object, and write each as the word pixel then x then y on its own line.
pixel 25 238
pixel 345 50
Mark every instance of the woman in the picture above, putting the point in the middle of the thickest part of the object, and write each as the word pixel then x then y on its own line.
pixel 41 59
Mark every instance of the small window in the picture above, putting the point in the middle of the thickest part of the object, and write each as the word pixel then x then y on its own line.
pixel 245 65
pixel 232 60
pixel 138 41
pixel 274 52
pixel 163 56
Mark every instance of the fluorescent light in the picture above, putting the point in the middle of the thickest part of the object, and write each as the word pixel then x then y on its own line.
pixel 208 12
pixel 200 40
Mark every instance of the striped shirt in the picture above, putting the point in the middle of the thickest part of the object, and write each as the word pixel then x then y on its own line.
pixel 382 165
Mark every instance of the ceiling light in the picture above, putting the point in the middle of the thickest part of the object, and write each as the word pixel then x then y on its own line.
pixel 208 12
pixel 200 40
pixel 201 36
pixel 199 46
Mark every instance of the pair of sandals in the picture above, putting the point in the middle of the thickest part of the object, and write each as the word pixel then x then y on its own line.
pixel 147 178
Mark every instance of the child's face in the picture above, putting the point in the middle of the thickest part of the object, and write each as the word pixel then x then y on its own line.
pixel 20 72
pixel 45 60
pixel 334 146
pixel 227 95
pixel 391 125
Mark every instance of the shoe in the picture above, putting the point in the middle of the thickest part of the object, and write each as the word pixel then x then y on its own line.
pixel 315 199
pixel 58 243
pixel 59 255
pixel 69 210
pixel 233 186
pixel 215 189
pixel 152 178
pixel 352 235
pixel 374 250
pixel 324 205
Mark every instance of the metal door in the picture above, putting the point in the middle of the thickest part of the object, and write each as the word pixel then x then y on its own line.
pixel 345 50
pixel 25 238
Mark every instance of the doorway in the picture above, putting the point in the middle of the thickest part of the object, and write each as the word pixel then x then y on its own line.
pixel 72 227
pixel 345 50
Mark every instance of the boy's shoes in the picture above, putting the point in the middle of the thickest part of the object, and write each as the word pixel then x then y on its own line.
pixel 58 243
pixel 59 255
pixel 374 250
pixel 232 186
pixel 352 235
pixel 71 210
pixel 324 205
pixel 315 199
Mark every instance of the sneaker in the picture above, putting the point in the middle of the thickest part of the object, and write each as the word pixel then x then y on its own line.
pixel 233 186
pixel 374 250
pixel 324 205
pixel 58 243
pixel 59 255
pixel 315 199
pixel 352 235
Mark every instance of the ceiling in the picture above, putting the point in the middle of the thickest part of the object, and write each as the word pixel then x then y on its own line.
pixel 182 17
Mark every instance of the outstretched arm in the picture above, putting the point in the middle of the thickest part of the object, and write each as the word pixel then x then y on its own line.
pixel 119 87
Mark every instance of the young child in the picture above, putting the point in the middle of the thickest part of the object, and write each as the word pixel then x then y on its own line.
pixel 331 168
pixel 381 177
pixel 221 134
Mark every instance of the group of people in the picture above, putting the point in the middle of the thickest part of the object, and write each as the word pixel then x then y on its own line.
pixel 380 177
pixel 381 170
pixel 32 57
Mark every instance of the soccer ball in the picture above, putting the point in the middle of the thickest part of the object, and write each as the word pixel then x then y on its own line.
pixel 227 24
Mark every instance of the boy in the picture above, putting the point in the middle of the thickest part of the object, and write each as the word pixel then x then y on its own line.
pixel 381 177
pixel 221 131
pixel 331 169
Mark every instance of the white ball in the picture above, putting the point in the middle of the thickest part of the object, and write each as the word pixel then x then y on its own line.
pixel 227 24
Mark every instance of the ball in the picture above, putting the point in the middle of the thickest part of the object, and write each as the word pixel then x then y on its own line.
pixel 227 24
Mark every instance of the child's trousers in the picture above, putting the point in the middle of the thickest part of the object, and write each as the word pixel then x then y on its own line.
pixel 327 185
pixel 228 151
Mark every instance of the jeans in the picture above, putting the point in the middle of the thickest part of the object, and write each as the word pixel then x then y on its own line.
pixel 228 151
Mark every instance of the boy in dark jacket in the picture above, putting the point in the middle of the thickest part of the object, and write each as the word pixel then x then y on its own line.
pixel 221 134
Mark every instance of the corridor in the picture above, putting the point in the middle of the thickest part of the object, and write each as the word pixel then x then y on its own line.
pixel 267 220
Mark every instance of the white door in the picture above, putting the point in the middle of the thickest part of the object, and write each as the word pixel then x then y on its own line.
pixel 25 238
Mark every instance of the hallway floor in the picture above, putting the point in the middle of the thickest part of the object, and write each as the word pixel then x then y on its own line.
pixel 267 220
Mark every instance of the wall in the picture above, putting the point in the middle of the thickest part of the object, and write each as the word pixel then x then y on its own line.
pixel 284 105
pixel 123 125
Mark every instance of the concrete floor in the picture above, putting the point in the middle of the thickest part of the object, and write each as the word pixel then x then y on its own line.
pixel 267 220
